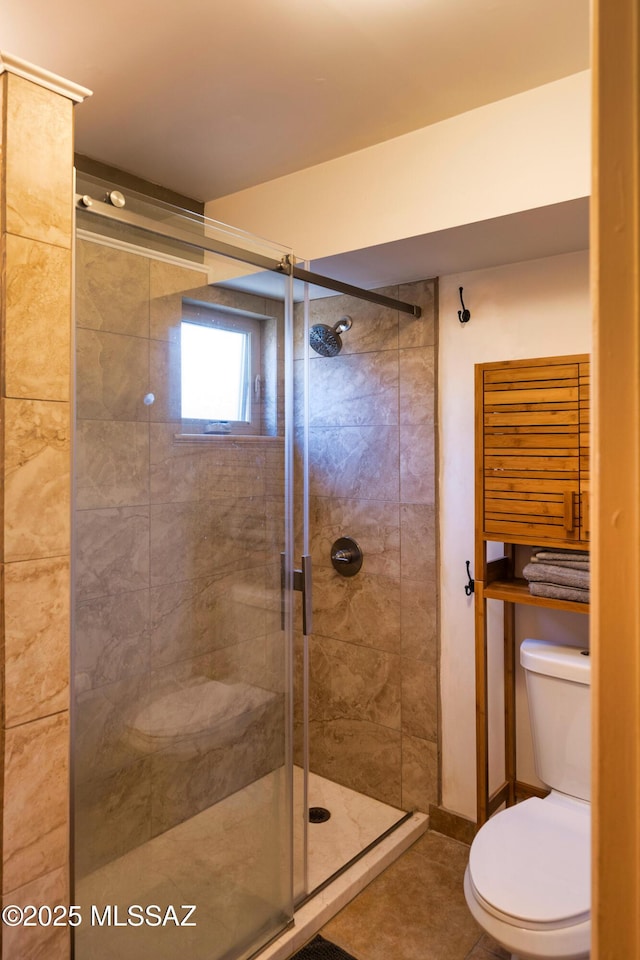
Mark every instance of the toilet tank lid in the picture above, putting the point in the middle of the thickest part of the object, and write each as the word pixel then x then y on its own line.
pixel 556 660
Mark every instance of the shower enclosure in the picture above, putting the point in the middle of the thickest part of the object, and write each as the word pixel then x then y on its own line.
pixel 198 701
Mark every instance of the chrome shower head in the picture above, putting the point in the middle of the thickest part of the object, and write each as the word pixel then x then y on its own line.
pixel 326 340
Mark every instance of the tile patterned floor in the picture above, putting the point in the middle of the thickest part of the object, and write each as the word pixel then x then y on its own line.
pixel 415 910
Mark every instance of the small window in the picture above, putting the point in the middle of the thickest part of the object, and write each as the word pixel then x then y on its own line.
pixel 220 374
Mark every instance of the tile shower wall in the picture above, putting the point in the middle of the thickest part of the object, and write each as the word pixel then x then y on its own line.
pixel 177 575
pixel 373 654
pixel 36 159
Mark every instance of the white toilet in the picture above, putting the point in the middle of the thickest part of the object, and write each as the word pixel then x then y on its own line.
pixel 528 878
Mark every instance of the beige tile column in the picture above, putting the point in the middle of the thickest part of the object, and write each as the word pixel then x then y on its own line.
pixel 36 207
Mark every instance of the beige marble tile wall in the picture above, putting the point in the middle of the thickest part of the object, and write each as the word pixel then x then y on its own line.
pixel 177 566
pixel 36 210
pixel 373 655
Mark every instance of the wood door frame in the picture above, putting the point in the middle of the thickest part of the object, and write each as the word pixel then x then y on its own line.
pixel 615 621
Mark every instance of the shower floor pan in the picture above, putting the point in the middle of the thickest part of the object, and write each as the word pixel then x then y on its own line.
pixel 208 860
pixel 355 822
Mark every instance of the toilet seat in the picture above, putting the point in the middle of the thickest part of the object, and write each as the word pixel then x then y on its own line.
pixel 529 866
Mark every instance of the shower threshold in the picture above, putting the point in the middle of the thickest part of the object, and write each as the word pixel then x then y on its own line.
pixel 335 892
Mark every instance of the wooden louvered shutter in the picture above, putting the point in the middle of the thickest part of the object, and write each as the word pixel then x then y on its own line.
pixel 585 414
pixel 533 442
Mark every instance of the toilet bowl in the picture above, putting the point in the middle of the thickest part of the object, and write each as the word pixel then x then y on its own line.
pixel 528 878
pixel 528 882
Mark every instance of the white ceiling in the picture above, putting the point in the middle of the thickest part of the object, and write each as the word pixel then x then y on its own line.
pixel 526 235
pixel 207 98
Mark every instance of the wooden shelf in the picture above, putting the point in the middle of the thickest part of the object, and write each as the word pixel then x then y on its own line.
pixel 532 489
pixel 530 540
pixel 517 591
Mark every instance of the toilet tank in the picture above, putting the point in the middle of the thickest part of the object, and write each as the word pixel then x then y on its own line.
pixel 558 688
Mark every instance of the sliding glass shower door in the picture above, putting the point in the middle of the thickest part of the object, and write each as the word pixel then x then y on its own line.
pixel 183 581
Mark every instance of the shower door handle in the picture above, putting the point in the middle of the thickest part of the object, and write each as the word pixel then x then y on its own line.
pixel 302 581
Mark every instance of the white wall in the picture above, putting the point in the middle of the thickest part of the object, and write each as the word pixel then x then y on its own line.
pixel 526 151
pixel 534 309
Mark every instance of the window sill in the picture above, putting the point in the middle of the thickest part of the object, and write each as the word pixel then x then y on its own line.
pixel 229 438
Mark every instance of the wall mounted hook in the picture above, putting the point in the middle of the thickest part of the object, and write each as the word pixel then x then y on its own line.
pixel 464 315
pixel 470 586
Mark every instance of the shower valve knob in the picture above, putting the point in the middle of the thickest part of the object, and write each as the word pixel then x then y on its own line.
pixel 342 556
pixel 346 556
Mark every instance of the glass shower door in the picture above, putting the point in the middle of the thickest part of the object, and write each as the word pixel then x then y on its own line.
pixel 181 740
pixel 363 378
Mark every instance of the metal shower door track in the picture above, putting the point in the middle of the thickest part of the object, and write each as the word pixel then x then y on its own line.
pixel 318 280
pixel 286 265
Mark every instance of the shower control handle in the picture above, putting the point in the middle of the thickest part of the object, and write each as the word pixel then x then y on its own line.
pixel 346 556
